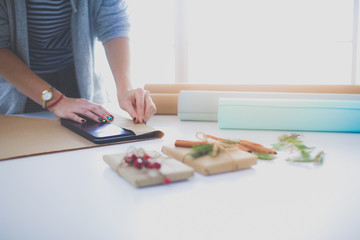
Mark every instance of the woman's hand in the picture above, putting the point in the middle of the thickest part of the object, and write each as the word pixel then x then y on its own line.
pixel 77 109
pixel 138 103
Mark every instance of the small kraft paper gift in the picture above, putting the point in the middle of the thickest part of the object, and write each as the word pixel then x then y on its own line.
pixel 149 168
pixel 212 157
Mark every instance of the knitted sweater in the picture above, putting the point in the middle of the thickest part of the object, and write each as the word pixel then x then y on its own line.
pixel 91 19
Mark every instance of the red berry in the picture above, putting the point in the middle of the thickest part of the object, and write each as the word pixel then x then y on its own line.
pixel 150 165
pixel 128 160
pixel 138 163
pixel 157 165
pixel 167 180
pixel 146 157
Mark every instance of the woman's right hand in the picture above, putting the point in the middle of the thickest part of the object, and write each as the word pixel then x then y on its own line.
pixel 78 109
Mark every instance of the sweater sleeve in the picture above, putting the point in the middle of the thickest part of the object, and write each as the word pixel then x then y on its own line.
pixel 112 20
pixel 4 27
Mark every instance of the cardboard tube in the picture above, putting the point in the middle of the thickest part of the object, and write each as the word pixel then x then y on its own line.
pixel 177 87
pixel 165 103
pixel 165 96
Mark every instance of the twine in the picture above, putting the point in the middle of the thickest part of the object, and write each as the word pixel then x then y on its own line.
pixel 217 146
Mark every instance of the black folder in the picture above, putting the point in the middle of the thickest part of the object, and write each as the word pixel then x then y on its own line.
pixel 101 133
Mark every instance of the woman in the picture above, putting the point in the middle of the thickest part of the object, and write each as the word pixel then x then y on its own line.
pixel 47 58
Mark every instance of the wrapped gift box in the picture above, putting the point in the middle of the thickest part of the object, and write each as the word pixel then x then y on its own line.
pixel 170 168
pixel 207 165
pixel 289 114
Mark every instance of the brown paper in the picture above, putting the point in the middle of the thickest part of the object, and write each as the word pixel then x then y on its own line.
pixel 25 136
pixel 165 95
pixel 166 103
pixel 171 168
pixel 207 165
pixel 172 88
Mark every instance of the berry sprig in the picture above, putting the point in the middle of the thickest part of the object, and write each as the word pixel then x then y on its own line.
pixel 141 161
pixel 144 161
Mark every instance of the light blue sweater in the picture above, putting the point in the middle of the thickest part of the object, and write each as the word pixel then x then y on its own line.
pixel 91 19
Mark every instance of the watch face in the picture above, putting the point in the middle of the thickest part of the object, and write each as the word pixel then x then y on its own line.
pixel 47 95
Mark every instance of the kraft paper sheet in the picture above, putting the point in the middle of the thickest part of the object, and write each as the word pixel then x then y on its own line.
pixel 24 136
pixel 166 103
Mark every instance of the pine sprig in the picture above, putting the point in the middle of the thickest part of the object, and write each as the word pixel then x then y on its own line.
pixel 201 150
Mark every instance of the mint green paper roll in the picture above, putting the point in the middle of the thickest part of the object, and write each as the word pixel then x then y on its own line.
pixel 289 114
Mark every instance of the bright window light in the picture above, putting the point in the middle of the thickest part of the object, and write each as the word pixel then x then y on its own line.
pixel 270 42
pixel 242 41
pixel 152 41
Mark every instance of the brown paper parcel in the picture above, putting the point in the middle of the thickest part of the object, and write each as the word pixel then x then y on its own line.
pixel 171 168
pixel 25 136
pixel 207 165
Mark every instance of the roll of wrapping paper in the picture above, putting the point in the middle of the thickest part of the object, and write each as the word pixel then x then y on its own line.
pixel 203 105
pixel 177 87
pixel 166 103
pixel 165 95
pixel 289 114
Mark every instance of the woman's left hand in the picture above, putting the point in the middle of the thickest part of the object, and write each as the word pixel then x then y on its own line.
pixel 138 103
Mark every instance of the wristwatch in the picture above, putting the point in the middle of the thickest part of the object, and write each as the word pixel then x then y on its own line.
pixel 46 96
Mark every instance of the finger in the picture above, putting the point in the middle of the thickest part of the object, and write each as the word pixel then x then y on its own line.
pixel 150 108
pixel 128 107
pixel 76 118
pixel 94 117
pixel 94 112
pixel 132 113
pixel 139 104
pixel 102 113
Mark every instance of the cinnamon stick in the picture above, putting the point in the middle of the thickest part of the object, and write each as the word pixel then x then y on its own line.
pixel 188 144
pixel 256 147
pixel 247 145
pixel 244 148
pixel 244 145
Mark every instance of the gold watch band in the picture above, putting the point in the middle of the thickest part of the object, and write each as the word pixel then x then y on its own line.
pixel 46 96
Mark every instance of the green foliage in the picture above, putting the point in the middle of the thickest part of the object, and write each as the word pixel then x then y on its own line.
pixel 200 150
pixel 265 156
pixel 292 143
pixel 286 142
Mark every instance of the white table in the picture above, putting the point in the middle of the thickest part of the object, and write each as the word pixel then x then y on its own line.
pixel 75 195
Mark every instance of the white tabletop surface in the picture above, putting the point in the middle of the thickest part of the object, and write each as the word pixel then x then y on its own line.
pixel 76 195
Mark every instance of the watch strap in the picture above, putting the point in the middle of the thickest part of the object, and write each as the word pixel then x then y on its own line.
pixel 45 100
